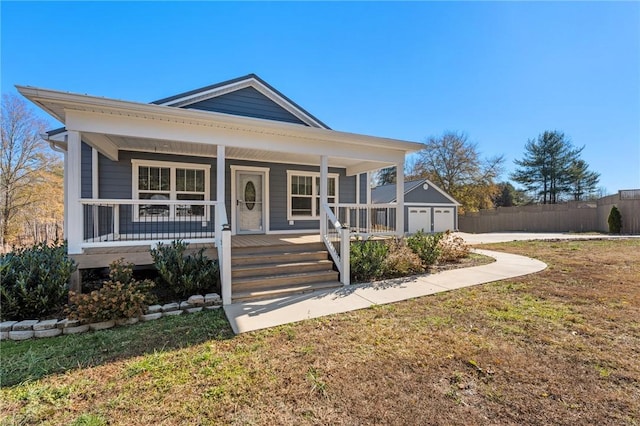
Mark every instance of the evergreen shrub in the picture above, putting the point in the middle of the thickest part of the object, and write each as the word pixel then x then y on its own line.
pixel 185 275
pixel 34 281
pixel 615 220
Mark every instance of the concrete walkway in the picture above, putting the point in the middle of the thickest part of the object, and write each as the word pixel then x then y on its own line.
pixel 249 316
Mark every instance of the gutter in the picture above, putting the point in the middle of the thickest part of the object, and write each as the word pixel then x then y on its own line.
pixel 52 143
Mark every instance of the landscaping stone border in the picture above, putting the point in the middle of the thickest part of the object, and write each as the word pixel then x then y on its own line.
pixel 27 329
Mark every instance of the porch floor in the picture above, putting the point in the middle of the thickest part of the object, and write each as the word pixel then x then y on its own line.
pixel 266 240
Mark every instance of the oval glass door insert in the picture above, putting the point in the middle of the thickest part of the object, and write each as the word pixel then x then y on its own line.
pixel 250 195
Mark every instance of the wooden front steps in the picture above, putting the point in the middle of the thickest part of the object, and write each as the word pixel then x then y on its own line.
pixel 279 270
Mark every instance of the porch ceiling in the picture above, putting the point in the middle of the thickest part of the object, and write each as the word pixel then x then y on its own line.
pixel 210 151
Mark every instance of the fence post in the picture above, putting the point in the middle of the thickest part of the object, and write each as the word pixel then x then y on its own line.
pixel 225 266
pixel 345 254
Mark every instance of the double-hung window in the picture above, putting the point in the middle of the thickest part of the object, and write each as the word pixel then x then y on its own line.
pixel 158 180
pixel 303 194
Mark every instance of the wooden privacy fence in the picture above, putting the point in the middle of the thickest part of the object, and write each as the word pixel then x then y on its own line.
pixel 574 216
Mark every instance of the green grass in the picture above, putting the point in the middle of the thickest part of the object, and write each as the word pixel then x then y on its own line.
pixel 34 359
pixel 547 348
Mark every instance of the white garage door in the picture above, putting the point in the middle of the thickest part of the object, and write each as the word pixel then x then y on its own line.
pixel 443 219
pixel 419 219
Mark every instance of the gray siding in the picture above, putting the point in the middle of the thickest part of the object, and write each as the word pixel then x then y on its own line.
pixel 116 182
pixel 431 195
pixel 85 171
pixel 278 192
pixel 363 188
pixel 115 177
pixel 247 102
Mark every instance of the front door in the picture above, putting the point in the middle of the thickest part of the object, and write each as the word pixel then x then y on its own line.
pixel 250 202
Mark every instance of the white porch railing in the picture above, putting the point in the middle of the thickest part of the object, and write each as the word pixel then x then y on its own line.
pixel 364 220
pixel 113 222
pixel 368 219
pixel 337 239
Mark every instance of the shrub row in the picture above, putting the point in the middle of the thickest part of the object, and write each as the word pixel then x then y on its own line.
pixel 380 259
pixel 34 283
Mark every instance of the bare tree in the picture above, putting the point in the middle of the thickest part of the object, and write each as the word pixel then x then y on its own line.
pixel 453 163
pixel 22 160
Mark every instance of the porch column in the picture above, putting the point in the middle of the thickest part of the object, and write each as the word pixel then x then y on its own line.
pixel 95 190
pixel 400 197
pixel 223 232
pixel 73 214
pixel 368 192
pixel 65 186
pixel 324 175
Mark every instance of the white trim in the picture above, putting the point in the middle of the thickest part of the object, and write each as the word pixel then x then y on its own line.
pixel 99 114
pixel 172 192
pixel 256 158
pixel 291 172
pixel 95 188
pixel 243 84
pixel 150 243
pixel 265 196
pixel 74 211
pixel 400 198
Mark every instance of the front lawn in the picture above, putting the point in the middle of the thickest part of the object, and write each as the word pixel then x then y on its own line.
pixel 557 347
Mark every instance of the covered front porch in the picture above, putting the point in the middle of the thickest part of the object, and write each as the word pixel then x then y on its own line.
pixel 139 174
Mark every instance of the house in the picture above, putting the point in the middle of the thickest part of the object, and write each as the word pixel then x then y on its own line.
pixel 427 207
pixel 237 166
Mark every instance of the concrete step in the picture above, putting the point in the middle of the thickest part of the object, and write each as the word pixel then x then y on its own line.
pixel 271 269
pixel 271 257
pixel 281 291
pixel 266 282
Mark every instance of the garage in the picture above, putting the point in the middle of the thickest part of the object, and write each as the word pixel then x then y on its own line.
pixel 427 207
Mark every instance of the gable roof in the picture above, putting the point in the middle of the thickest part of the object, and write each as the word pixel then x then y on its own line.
pixel 253 86
pixel 387 193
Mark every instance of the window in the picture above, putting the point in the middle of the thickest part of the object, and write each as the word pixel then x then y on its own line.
pixel 156 180
pixel 303 193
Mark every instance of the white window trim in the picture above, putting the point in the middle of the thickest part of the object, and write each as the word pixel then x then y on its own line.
pixel 172 166
pixel 291 173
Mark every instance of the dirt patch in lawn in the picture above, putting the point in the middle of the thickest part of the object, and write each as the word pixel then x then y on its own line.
pixel 558 347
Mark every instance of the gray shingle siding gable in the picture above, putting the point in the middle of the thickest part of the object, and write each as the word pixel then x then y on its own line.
pixel 431 195
pixel 247 102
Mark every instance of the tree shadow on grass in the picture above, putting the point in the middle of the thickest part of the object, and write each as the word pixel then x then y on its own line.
pixel 34 359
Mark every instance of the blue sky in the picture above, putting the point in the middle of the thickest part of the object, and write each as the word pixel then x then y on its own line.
pixel 502 72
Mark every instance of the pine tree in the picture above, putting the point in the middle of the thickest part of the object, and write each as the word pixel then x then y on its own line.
pixel 551 166
pixel 386 175
pixel 582 181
